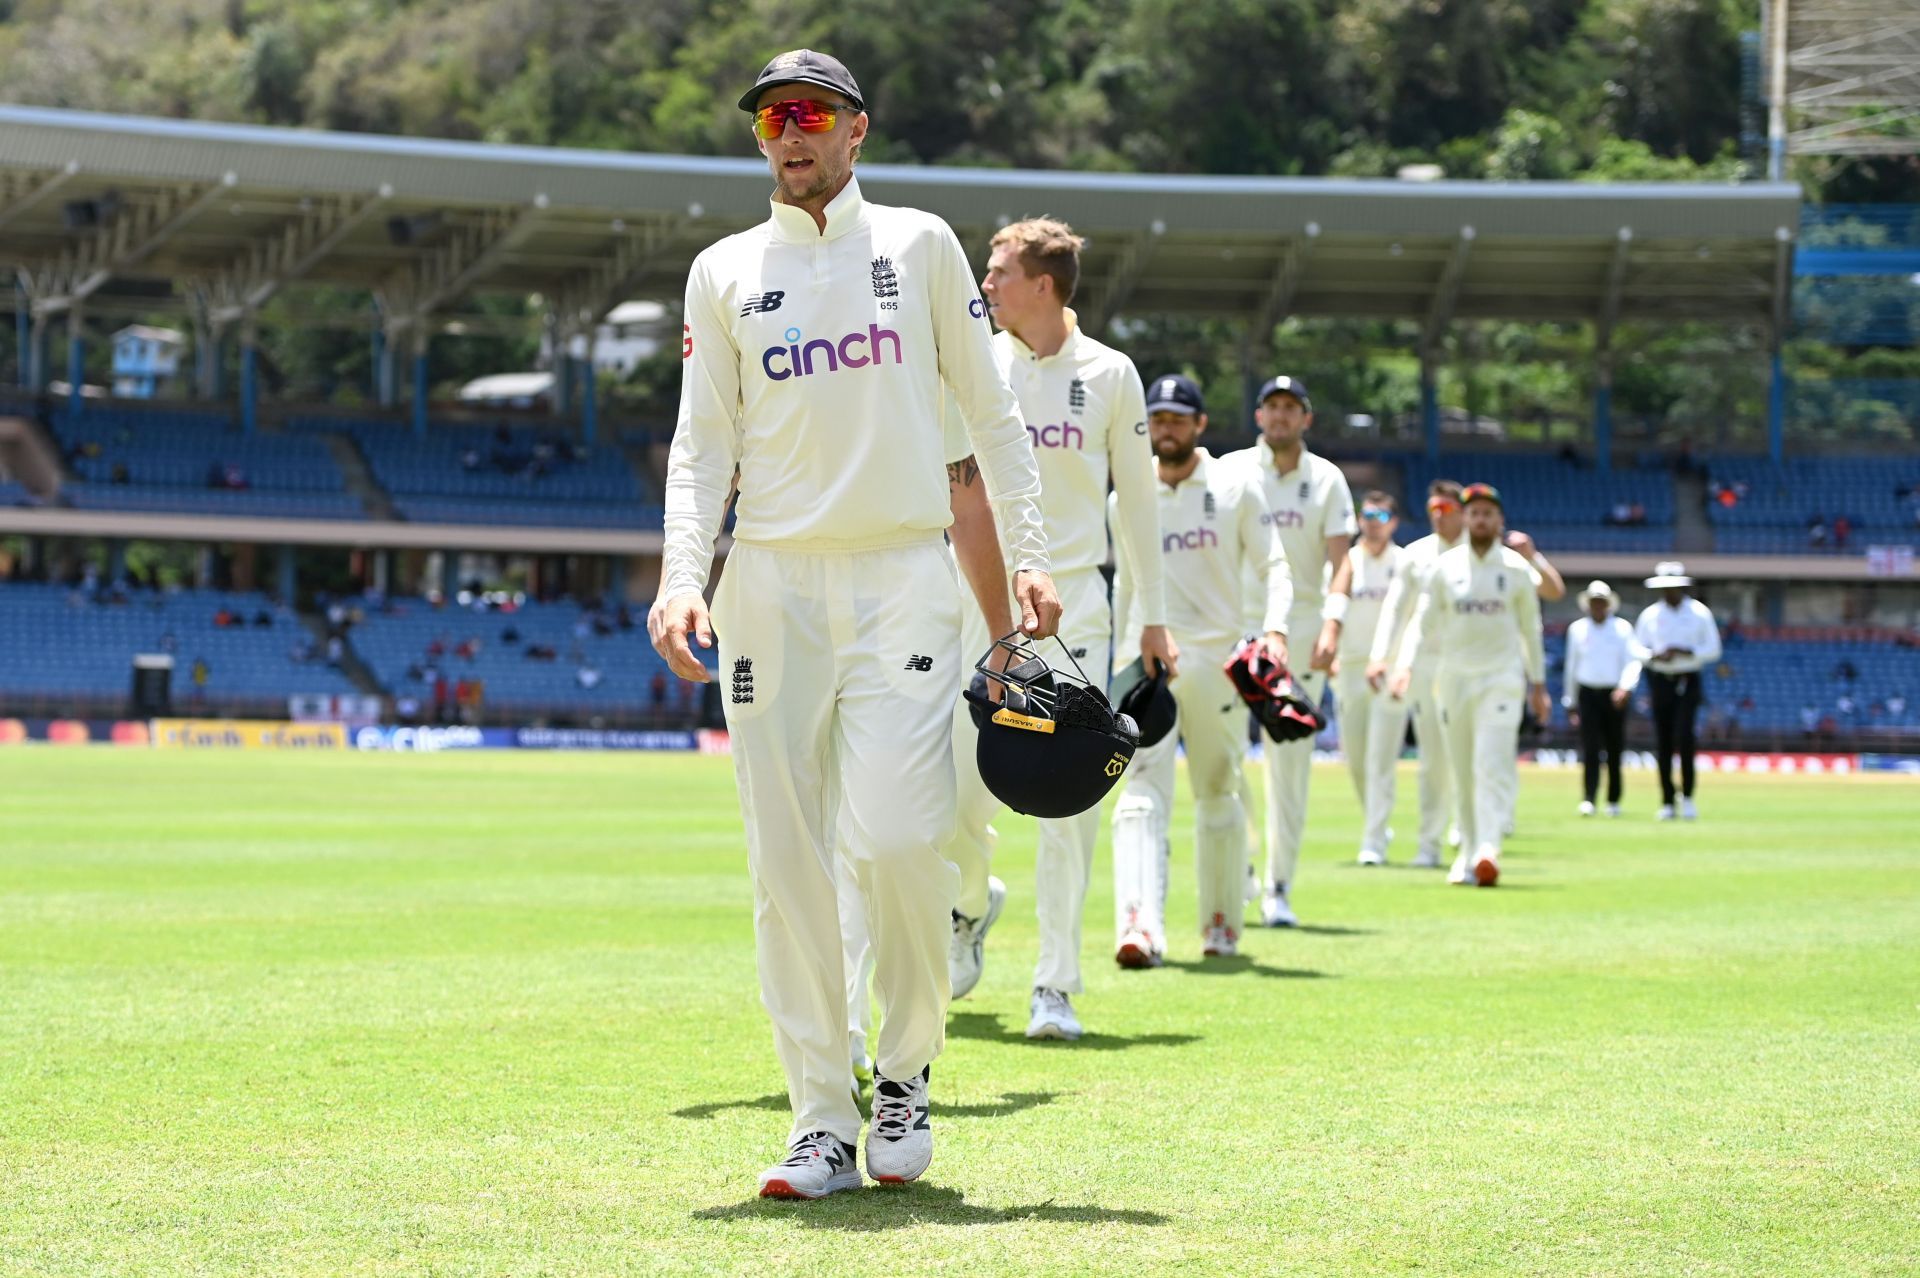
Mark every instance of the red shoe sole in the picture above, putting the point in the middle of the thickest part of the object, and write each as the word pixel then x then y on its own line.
pixel 891 1180
pixel 780 1189
pixel 1133 957
pixel 1486 872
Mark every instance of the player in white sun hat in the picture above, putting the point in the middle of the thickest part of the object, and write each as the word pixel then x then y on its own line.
pixel 1602 669
pixel 1678 639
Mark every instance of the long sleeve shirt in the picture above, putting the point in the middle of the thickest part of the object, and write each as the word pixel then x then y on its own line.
pixel 1690 625
pixel 1374 577
pixel 1484 609
pixel 1402 594
pixel 1307 505
pixel 813 364
pixel 1086 416
pixel 1213 542
pixel 1599 655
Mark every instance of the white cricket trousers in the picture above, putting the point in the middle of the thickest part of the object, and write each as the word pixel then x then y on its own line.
pixel 1213 724
pixel 1480 715
pixel 1372 727
pixel 1064 862
pixel 1439 804
pixel 1289 767
pixel 837 673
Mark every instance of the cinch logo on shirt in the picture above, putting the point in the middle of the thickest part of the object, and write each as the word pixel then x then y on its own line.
pixel 1370 592
pixel 845 352
pixel 1057 435
pixel 1480 607
pixel 1284 519
pixel 1198 539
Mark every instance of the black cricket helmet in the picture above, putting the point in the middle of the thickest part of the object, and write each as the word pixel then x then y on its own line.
pixel 1051 745
pixel 1148 702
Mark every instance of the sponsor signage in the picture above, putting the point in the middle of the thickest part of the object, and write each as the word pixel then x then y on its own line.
pixel 602 739
pixel 353 710
pixel 1757 762
pixel 247 734
pixel 431 740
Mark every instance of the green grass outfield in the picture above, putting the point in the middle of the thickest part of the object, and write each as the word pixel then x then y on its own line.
pixel 497 1014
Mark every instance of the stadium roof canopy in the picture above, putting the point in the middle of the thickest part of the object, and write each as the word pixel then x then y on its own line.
pixel 137 214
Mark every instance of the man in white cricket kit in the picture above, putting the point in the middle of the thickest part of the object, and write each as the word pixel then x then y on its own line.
pixel 1311 508
pixel 815 348
pixel 1086 419
pixel 1481 600
pixel 1372 724
pixel 1213 538
pixel 1439 805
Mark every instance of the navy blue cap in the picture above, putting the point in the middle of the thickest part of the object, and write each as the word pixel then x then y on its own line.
pixel 1175 393
pixel 804 66
pixel 1285 386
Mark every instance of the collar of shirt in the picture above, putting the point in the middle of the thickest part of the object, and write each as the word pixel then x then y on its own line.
pixel 1198 475
pixel 1267 462
pixel 845 211
pixel 1025 353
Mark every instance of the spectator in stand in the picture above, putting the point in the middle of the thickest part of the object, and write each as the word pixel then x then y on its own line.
pixel 336 650
pixel 587 676
pixel 1896 711
pixel 406 708
pixel 657 692
pixel 1842 530
pixel 1846 671
pixel 1817 532
pixel 263 620
pixel 201 674
pixel 511 635
pixel 468 648
pixel 224 619
pixel 1810 720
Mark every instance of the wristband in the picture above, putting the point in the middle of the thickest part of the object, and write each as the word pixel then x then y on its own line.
pixel 1335 608
pixel 1539 561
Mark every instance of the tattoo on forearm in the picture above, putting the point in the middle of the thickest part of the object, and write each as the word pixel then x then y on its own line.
pixel 961 474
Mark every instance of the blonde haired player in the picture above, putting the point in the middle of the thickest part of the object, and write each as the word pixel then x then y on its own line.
pixel 815 348
pixel 1213 539
pixel 1481 600
pixel 1086 419
pixel 1372 724
pixel 1310 507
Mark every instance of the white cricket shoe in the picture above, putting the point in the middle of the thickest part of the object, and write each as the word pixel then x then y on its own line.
pixel 1427 859
pixel 1687 811
pixel 1275 910
pixel 899 1139
pixel 1220 941
pixel 1052 1017
pixel 967 954
pixel 1613 809
pixel 1665 813
pixel 1137 950
pixel 1462 871
pixel 1453 836
pixel 1372 856
pixel 819 1164
pixel 1586 807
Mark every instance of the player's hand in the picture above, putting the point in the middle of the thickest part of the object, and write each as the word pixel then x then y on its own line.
pixel 1541 703
pixel 1326 647
pixel 1620 696
pixel 1521 544
pixel 670 624
pixel 1573 718
pixel 1158 650
pixel 1039 604
pixel 1397 686
pixel 1276 644
pixel 1376 675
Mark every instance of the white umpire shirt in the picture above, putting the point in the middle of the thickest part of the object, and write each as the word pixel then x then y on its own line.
pixel 814 362
pixel 1600 656
pixel 1690 626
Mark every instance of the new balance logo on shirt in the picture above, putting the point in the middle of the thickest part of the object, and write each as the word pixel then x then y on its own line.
pixel 761 303
pixel 919 663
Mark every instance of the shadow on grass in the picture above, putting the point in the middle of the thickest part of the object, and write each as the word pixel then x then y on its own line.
pixel 1242 963
pixel 904 1206
pixel 986 1027
pixel 1327 929
pixel 772 1100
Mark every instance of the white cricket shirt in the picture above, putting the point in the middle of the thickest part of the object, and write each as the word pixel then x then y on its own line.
pixel 1213 542
pixel 1690 625
pixel 813 362
pixel 1086 417
pixel 1307 505
pixel 1373 577
pixel 1599 656
pixel 1484 610
pixel 1421 555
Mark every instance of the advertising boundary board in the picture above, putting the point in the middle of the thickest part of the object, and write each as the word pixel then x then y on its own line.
pixel 1759 763
pixel 247 734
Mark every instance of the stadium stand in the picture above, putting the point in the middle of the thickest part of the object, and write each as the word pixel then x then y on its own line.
pixel 1796 507
pixel 533 659
pixel 66 641
pixel 1564 504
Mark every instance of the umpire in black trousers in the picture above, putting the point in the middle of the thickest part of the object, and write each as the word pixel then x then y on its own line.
pixel 1680 639
pixel 1602 668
